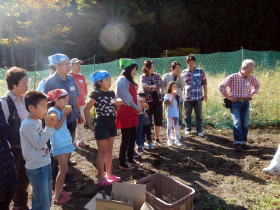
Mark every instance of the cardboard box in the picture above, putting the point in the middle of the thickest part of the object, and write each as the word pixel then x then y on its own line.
pixel 124 196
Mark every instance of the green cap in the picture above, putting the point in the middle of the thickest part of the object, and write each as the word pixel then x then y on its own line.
pixel 125 62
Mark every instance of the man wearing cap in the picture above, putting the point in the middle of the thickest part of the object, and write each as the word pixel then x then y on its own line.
pixel 242 86
pixel 195 81
pixel 42 83
pixel 62 80
pixel 82 86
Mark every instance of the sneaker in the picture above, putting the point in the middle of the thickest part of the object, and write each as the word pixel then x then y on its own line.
pixel 140 150
pixel 63 198
pixel 238 148
pixel 132 162
pixel 114 178
pixel 136 155
pixel 105 182
pixel 187 132
pixel 169 143
pixel 124 166
pixel 245 147
pixel 82 144
pixel 150 146
pixel 201 134
pixel 272 171
pixel 178 143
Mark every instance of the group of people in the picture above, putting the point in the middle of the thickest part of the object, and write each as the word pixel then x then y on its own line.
pixel 57 111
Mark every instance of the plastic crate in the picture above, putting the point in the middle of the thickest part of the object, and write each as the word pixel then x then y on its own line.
pixel 164 193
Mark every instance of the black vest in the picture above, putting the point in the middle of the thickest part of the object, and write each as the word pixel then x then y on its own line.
pixel 12 133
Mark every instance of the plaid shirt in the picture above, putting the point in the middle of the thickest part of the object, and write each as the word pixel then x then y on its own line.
pixel 154 79
pixel 194 80
pixel 239 87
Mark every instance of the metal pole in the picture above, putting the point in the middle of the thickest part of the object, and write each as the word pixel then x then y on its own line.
pixel 242 54
pixel 94 62
pixel 166 52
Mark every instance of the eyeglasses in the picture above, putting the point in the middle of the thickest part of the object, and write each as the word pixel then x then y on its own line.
pixel 65 64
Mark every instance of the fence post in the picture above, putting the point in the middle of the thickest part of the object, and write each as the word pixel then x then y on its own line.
pixel 165 69
pixel 93 62
pixel 242 54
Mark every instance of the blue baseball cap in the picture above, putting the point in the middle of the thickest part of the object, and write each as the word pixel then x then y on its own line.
pixel 57 58
pixel 99 75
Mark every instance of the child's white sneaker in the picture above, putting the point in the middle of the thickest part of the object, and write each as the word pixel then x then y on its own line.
pixel 169 143
pixel 178 143
pixel 201 134
pixel 187 132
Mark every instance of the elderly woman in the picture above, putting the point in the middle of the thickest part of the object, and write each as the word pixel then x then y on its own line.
pixel 127 114
pixel 152 83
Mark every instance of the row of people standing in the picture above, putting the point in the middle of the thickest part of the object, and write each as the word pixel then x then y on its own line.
pixel 195 86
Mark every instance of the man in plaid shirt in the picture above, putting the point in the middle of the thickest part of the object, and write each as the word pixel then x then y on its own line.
pixel 195 80
pixel 239 88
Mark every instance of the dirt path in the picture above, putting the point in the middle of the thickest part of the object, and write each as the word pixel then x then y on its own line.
pixel 222 178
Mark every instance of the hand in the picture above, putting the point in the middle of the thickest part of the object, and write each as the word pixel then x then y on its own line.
pixel 119 102
pixel 90 126
pixel 232 99
pixel 250 97
pixel 145 106
pixel 51 120
pixel 205 97
pixel 67 109
pixel 81 119
pixel 67 112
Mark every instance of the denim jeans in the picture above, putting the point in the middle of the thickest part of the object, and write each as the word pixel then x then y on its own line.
pixel 240 117
pixel 197 106
pixel 41 181
pixel 139 131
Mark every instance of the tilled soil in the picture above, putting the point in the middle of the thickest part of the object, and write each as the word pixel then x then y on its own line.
pixel 222 178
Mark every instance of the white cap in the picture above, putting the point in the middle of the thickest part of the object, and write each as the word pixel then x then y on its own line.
pixel 75 60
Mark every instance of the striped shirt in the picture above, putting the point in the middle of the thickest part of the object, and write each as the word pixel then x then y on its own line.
pixel 239 86
pixel 194 80
pixel 154 79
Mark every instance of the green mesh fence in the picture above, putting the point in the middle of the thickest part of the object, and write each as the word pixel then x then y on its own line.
pixel 265 108
pixel 227 62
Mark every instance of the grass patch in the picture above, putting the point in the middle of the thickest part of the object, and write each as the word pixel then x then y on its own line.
pixel 264 110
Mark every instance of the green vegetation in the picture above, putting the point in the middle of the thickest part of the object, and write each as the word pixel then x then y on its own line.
pixel 264 110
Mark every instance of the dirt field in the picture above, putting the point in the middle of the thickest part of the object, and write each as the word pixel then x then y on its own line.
pixel 222 178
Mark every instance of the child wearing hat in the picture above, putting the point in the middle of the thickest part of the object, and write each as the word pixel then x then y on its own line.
pixel 105 103
pixel 61 140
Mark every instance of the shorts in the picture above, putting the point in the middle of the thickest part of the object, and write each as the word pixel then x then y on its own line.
pixel 156 112
pixel 105 128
